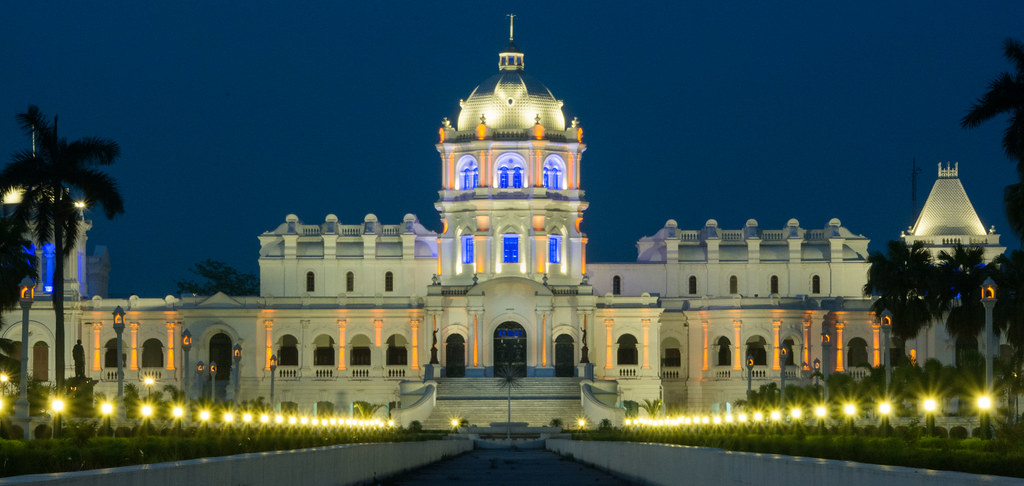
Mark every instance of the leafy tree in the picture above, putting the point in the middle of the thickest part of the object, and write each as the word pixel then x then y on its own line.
pixel 900 278
pixel 50 178
pixel 365 410
pixel 15 261
pixel 1005 96
pixel 218 276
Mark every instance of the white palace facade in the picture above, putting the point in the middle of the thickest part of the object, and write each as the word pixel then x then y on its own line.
pixel 381 312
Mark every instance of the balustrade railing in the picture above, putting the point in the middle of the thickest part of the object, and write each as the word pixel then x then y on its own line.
pixel 288 372
pixel 627 371
pixel 360 372
pixel 395 371
pixel 155 373
pixel 669 374
pixel 323 372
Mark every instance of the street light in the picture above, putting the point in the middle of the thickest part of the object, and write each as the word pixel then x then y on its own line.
pixel 26 295
pixel 57 406
pixel 200 376
pixel 886 323
pixel 885 408
pixel 750 373
pixel 236 355
pixel 149 381
pixel 826 342
pixel 273 374
pixel 186 346
pixel 984 405
pixel 988 299
pixel 783 354
pixel 106 409
pixel 119 328
pixel 929 414
pixel 213 381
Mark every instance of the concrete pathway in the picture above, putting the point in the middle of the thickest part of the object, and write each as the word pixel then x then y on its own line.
pixel 501 467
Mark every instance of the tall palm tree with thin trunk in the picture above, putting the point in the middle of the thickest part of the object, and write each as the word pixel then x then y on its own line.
pixel 50 176
pixel 900 278
pixel 1008 315
pixel 1005 96
pixel 958 294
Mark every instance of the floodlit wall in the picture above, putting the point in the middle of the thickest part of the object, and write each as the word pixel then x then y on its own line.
pixel 667 464
pixel 341 464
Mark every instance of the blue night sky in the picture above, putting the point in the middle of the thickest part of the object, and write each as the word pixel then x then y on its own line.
pixel 231 115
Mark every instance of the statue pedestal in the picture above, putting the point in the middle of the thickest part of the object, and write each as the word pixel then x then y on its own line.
pixel 428 372
pixel 586 371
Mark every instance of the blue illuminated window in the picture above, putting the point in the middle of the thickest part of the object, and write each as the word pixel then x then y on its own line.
pixel 470 176
pixel 555 249
pixel 51 260
pixel 511 247
pixel 552 175
pixel 503 177
pixel 517 177
pixel 467 249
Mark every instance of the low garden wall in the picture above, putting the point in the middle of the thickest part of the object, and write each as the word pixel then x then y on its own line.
pixel 665 464
pixel 341 464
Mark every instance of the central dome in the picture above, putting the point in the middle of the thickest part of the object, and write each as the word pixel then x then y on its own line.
pixel 511 99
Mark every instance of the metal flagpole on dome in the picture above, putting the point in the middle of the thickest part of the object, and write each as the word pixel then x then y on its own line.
pixel 511 19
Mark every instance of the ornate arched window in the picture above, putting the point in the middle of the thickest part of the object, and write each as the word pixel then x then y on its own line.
pixel 553 172
pixel 511 171
pixel 815 284
pixel 554 249
pixel 774 285
pixel 469 174
pixel 734 285
pixel 616 285
pixel 389 282
pixel 692 287
pixel 310 282
pixel 350 282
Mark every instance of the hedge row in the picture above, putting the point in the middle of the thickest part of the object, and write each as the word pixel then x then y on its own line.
pixel 77 454
pixel 1001 457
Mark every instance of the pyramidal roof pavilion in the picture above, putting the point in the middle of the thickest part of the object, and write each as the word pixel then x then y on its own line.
pixel 948 218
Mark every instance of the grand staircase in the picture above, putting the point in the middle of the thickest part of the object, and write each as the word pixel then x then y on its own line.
pixel 481 401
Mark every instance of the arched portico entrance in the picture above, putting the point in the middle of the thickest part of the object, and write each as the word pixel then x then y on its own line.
pixel 510 348
pixel 564 365
pixel 455 356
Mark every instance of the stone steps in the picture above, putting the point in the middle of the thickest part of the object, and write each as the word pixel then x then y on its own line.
pixel 481 401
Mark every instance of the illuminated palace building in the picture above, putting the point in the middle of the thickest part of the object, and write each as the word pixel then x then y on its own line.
pixel 401 315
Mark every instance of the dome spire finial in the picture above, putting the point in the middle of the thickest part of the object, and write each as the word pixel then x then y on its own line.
pixel 511 20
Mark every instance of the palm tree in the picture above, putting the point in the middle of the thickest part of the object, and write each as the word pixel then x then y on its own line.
pixel 1008 315
pixel 1005 95
pixel 958 294
pixel 48 178
pixel 509 380
pixel 15 261
pixel 900 278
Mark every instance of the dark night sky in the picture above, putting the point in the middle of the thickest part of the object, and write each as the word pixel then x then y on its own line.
pixel 231 115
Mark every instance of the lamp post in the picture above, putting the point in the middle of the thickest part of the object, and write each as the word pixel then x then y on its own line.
pixel 28 293
pixel 119 328
pixel 149 382
pixel 750 373
pixel 886 323
pixel 186 346
pixel 988 299
pixel 929 415
pixel 236 356
pixel 783 354
pixel 213 381
pixel 273 374
pixel 826 342
pixel 200 376
pixel 817 371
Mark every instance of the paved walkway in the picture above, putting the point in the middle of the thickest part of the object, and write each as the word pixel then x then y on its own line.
pixel 501 467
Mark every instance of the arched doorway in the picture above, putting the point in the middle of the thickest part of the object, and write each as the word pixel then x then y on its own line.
pixel 455 356
pixel 220 353
pixel 510 348
pixel 564 364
